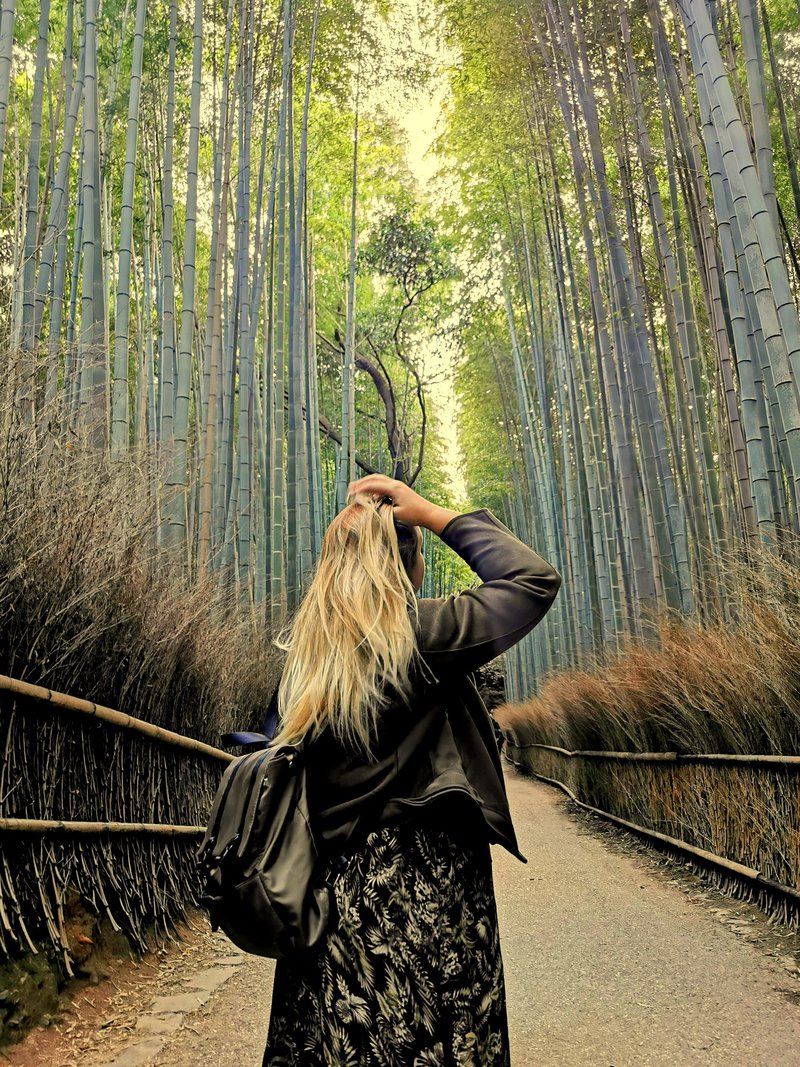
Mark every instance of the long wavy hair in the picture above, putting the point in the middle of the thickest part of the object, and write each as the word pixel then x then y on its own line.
pixel 353 635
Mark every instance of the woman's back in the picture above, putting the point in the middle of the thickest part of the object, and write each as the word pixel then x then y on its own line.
pixel 411 971
pixel 443 738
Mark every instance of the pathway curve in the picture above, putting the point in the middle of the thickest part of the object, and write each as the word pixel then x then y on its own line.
pixel 610 961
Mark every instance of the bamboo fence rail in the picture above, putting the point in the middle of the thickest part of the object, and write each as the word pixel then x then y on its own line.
pixel 109 715
pixel 83 827
pixel 669 757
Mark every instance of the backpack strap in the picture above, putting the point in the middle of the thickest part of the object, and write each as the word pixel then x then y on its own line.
pixel 270 728
pixel 271 719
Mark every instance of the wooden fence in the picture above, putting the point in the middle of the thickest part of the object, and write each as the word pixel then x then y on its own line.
pixel 737 816
pixel 104 809
pixel 98 810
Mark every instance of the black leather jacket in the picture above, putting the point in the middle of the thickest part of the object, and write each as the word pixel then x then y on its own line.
pixel 442 747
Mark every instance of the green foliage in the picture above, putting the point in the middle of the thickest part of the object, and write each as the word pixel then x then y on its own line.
pixel 409 252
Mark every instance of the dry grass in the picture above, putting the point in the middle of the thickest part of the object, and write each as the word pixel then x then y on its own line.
pixel 729 686
pixel 90 606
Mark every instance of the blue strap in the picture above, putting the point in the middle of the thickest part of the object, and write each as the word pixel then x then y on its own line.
pixel 245 738
pixel 262 740
pixel 271 719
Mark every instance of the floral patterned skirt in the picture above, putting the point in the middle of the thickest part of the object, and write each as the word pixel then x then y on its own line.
pixel 410 973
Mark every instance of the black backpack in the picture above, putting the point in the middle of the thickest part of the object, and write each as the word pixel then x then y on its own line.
pixel 263 882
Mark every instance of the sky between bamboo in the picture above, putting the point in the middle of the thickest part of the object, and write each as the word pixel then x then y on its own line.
pixel 420 118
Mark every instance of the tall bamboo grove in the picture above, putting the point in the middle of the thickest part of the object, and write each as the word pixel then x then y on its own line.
pixel 629 180
pixel 628 218
pixel 161 278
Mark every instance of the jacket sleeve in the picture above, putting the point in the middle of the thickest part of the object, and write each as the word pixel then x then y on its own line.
pixel 465 630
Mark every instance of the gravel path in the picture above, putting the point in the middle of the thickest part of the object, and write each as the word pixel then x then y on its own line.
pixel 610 961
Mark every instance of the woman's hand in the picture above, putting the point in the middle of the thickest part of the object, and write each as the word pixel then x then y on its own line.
pixel 407 505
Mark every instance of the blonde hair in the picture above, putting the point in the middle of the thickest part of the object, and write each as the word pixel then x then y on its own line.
pixel 353 633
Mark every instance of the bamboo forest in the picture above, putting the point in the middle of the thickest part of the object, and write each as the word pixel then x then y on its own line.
pixel 215 256
pixel 540 257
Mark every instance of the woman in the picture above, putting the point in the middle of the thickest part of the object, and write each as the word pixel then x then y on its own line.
pixel 406 787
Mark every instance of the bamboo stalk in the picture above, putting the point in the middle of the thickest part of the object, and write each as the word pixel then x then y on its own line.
pixel 109 715
pixel 670 757
pixel 76 826
pixel 7 17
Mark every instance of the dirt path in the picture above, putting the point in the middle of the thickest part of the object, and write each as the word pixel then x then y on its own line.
pixel 611 960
